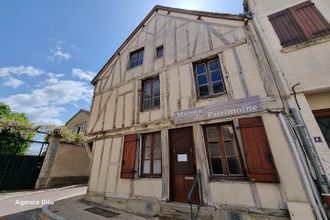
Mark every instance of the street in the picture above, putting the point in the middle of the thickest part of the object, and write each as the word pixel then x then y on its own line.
pixel 18 205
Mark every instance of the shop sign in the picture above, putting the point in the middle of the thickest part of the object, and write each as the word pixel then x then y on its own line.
pixel 226 109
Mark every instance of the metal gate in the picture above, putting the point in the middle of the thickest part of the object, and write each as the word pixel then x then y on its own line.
pixel 20 161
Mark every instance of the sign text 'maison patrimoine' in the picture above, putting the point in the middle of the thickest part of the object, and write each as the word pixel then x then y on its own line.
pixel 226 109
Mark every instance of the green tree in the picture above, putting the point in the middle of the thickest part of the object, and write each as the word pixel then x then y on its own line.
pixel 15 131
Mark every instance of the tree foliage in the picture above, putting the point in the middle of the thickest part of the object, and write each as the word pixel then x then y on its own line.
pixel 15 131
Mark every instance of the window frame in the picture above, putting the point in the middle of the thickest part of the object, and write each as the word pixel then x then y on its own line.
pixel 161 47
pixel 81 126
pixel 152 97
pixel 152 174
pixel 208 77
pixel 138 52
pixel 226 173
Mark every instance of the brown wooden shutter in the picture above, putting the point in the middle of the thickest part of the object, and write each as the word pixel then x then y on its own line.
pixel 310 20
pixel 286 28
pixel 259 159
pixel 129 155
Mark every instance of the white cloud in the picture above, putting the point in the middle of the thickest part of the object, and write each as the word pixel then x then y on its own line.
pixel 13 82
pixel 46 104
pixel 20 70
pixel 83 74
pixel 58 54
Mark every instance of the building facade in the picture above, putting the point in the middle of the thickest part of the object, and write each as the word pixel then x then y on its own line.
pixel 296 36
pixel 191 94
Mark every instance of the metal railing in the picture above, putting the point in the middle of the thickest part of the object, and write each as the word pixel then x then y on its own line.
pixel 196 184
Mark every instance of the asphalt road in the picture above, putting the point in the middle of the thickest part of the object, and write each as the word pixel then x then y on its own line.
pixel 18 205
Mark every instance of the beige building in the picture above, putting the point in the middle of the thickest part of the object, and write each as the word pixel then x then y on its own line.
pixel 79 122
pixel 192 96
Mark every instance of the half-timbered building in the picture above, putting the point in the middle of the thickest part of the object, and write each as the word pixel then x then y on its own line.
pixel 190 97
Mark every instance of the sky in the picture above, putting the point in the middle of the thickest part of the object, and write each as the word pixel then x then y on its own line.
pixel 51 50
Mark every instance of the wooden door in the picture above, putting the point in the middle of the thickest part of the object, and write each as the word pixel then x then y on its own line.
pixel 182 164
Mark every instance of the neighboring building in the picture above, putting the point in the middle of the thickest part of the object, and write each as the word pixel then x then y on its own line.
pixel 296 34
pixel 79 122
pixel 193 92
pixel 66 163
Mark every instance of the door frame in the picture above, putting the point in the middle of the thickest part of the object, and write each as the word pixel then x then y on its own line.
pixel 170 157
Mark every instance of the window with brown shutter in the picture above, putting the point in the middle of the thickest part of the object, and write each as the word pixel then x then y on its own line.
pixel 129 155
pixel 299 23
pixel 223 152
pixel 259 159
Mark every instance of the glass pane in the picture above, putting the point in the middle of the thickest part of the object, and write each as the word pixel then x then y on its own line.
pixel 202 79
pixel 214 149
pixel 216 166
pixel 200 69
pixel 157 152
pixel 147 139
pixel 147 89
pixel 157 166
pixel 227 132
pixel 234 165
pixel 140 61
pixel 147 152
pixel 146 104
pixel 157 139
pixel 213 65
pixel 230 148
pixel 146 166
pixel 217 87
pixel 215 76
pixel 156 102
pixel 212 134
pixel 134 59
pixel 156 87
pixel 203 91
pixel 159 52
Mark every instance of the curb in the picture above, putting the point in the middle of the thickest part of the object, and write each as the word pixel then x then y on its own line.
pixel 46 214
pixel 32 192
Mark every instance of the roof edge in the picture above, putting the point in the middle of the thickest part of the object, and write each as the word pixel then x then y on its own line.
pixel 170 9
pixel 81 110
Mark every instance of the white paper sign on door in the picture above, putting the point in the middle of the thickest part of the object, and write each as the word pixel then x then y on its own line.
pixel 182 158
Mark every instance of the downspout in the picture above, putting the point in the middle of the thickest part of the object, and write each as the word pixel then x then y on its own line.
pixel 309 148
pixel 311 189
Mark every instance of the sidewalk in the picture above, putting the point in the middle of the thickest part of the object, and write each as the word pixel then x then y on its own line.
pixel 74 208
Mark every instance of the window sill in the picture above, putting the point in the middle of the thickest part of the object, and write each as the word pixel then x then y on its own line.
pixel 143 177
pixel 211 96
pixel 150 110
pixel 228 178
pixel 305 44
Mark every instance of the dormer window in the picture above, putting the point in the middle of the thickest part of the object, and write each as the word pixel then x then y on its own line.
pixel 136 58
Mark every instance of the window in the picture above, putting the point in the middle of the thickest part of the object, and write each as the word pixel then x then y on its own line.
pixel 209 78
pixel 151 94
pixel 151 161
pixel 299 23
pixel 160 51
pixel 136 58
pixel 79 129
pixel 223 153
pixel 323 120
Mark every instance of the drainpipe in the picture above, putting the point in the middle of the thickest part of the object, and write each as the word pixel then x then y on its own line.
pixel 310 187
pixel 309 147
